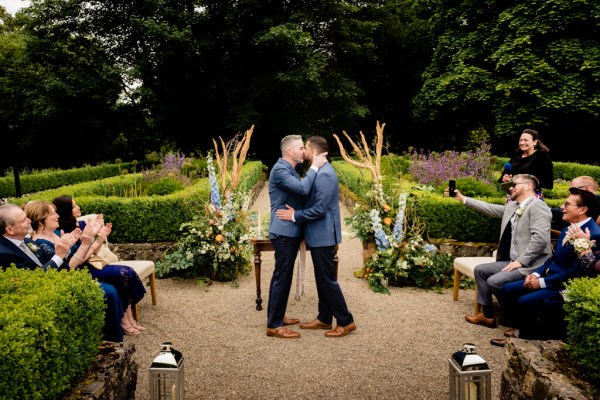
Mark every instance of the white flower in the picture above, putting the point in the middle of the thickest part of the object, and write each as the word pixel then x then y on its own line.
pixel 32 247
pixel 520 210
pixel 582 244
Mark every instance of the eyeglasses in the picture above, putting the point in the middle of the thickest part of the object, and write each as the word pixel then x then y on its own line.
pixel 517 183
pixel 567 204
pixel 580 187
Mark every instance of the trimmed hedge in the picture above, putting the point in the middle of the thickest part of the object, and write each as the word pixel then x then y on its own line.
pixel 143 219
pixel 50 329
pixel 583 325
pixel 31 183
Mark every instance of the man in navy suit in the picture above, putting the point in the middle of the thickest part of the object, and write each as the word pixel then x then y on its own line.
pixel 534 299
pixel 321 219
pixel 14 226
pixel 286 187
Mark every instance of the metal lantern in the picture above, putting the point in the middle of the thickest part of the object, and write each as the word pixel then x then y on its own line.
pixel 470 376
pixel 166 374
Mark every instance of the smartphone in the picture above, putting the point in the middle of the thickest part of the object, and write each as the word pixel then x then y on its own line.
pixel 452 188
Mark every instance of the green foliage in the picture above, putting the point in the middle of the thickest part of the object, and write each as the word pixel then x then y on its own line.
pixel 215 244
pixel 583 325
pixel 163 187
pixel 32 183
pixel 473 187
pixel 50 329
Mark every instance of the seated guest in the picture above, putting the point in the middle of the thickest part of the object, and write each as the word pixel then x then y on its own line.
pixel 44 222
pixel 581 182
pixel 531 299
pixel 16 248
pixel 524 243
pixel 124 278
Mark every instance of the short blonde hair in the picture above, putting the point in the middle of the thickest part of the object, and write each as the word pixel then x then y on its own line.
pixel 37 211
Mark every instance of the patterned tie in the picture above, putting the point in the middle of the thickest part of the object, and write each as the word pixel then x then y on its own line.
pixel 30 254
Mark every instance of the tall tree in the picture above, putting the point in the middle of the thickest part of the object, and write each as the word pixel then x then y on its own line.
pixel 506 65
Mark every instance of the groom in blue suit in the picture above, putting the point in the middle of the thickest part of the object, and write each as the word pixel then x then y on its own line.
pixel 320 216
pixel 536 301
pixel 286 187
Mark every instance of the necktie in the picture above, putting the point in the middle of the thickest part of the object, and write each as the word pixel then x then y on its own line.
pixel 30 254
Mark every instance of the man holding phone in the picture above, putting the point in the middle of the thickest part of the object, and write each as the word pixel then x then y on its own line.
pixel 524 243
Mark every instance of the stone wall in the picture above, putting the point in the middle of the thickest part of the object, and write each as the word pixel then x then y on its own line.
pixel 537 369
pixel 112 376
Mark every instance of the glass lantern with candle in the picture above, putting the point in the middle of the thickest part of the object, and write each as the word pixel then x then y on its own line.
pixel 167 374
pixel 470 376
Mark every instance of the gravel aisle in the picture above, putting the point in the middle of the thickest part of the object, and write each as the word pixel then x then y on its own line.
pixel 400 349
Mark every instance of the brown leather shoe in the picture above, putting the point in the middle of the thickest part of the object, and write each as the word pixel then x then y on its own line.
pixel 283 333
pixel 479 319
pixel 315 324
pixel 340 331
pixel 290 321
pixel 510 333
pixel 498 342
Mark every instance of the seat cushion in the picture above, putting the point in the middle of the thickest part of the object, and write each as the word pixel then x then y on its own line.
pixel 144 268
pixel 466 265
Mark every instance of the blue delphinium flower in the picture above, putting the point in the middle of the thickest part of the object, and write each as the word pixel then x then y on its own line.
pixel 215 197
pixel 381 239
pixel 398 226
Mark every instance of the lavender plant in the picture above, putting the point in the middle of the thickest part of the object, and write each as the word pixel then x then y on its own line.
pixel 436 168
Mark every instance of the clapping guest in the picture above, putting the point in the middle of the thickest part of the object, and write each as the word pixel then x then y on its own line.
pixel 581 182
pixel 125 279
pixel 531 157
pixel 528 299
pixel 14 227
pixel 524 244
pixel 44 222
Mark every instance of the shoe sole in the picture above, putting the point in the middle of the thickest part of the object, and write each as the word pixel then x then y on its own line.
pixel 270 334
pixel 328 327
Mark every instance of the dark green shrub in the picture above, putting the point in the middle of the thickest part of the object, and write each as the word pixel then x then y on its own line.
pixel 583 325
pixel 50 329
pixel 162 187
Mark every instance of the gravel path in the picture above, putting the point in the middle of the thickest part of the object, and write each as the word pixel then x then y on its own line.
pixel 400 349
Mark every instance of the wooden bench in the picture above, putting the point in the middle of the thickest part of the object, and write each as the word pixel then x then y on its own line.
pixel 466 266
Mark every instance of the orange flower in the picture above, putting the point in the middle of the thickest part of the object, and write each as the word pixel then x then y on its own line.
pixel 233 249
pixel 387 221
pixel 219 238
pixel 386 208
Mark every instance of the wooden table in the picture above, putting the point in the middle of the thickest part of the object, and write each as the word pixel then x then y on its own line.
pixel 261 245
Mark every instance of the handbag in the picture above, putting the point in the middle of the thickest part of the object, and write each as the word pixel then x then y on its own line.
pixel 103 257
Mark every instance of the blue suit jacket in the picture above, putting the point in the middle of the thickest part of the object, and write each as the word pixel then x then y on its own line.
pixel 286 187
pixel 321 212
pixel 565 263
pixel 11 254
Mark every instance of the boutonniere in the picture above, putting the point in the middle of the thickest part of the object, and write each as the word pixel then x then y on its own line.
pixel 582 244
pixel 520 211
pixel 32 247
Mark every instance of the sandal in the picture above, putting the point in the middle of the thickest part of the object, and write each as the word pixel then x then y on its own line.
pixel 139 327
pixel 131 331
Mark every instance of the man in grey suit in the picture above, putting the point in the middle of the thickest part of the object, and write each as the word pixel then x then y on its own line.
pixel 286 187
pixel 321 219
pixel 524 244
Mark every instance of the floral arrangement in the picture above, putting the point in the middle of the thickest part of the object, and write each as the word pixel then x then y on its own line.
pixel 216 243
pixel 402 256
